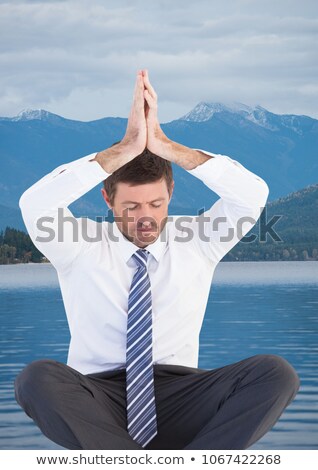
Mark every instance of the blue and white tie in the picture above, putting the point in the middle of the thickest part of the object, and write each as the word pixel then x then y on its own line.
pixel 141 406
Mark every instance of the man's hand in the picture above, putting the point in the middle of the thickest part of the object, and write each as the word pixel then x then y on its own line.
pixel 143 130
pixel 135 138
pixel 136 131
pixel 157 141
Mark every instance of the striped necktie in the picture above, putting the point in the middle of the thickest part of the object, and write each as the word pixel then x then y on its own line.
pixel 141 406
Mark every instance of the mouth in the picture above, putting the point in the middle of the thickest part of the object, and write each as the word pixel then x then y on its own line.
pixel 145 230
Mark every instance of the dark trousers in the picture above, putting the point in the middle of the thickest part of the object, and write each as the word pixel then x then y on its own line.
pixel 226 408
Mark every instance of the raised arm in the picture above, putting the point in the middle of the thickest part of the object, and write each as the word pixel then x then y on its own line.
pixel 243 194
pixel 135 139
pixel 157 141
pixel 44 206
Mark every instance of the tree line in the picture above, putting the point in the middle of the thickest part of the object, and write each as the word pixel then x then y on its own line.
pixel 16 247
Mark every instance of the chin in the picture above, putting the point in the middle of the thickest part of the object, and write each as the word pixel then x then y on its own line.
pixel 147 240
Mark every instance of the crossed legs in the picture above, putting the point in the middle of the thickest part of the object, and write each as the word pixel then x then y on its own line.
pixel 226 408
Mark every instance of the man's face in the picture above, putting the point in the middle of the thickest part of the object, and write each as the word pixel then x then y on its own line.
pixel 140 211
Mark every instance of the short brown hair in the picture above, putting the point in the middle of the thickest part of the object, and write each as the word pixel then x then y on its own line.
pixel 145 168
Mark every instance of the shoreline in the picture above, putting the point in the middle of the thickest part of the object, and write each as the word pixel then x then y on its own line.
pixel 236 261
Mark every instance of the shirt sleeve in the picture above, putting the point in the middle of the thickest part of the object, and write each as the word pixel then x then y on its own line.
pixel 51 225
pixel 243 196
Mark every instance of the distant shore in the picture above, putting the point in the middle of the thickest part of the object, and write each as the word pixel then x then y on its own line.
pixel 222 261
pixel 44 275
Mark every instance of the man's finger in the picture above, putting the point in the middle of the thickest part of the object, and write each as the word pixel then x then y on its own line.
pixel 151 114
pixel 148 84
pixel 137 83
pixel 139 91
pixel 150 100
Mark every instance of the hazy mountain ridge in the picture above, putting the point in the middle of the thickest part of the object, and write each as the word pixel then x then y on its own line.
pixel 204 111
pixel 282 149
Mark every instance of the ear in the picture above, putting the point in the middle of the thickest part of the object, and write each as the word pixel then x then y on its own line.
pixel 106 198
pixel 171 190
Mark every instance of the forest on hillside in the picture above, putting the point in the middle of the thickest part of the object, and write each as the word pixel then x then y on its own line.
pixel 17 247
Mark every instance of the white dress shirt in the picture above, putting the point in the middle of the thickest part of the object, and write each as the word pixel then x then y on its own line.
pixel 95 275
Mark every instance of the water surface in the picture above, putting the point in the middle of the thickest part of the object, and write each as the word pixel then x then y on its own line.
pixel 253 308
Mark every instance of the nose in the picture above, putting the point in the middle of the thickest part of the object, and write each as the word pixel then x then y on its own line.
pixel 146 220
pixel 146 223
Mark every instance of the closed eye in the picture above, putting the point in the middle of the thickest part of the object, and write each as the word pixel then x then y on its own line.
pixel 153 205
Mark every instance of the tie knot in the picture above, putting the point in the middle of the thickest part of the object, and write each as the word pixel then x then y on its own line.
pixel 141 256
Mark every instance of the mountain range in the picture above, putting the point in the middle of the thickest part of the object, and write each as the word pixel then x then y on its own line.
pixel 282 149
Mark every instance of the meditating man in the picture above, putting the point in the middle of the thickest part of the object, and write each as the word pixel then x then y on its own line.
pixel 135 293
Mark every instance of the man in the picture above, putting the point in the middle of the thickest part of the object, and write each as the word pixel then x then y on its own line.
pixel 135 293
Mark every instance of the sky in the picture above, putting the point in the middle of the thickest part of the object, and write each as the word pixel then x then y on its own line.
pixel 79 59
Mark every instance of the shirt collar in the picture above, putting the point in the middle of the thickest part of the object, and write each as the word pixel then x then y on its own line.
pixel 128 248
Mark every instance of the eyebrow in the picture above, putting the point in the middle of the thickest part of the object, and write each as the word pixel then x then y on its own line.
pixel 135 202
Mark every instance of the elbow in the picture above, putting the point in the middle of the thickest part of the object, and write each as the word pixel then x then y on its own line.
pixel 26 205
pixel 264 192
pixel 23 201
pixel 260 200
pixel 25 210
pixel 29 214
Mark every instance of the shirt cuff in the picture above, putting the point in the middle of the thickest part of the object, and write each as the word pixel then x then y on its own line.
pixel 90 173
pixel 212 168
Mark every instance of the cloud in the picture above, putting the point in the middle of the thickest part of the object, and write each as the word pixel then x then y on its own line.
pixel 79 58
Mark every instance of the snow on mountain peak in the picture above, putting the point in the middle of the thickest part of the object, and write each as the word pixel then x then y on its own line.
pixel 205 110
pixel 28 114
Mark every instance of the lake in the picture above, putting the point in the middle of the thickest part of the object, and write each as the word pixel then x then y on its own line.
pixel 253 308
